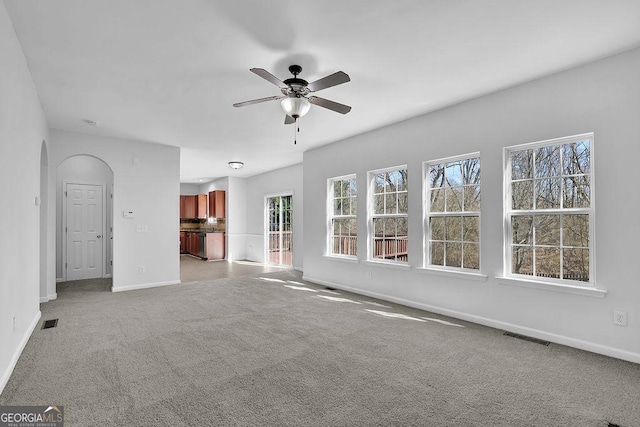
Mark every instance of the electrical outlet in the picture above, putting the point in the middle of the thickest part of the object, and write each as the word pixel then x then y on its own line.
pixel 369 274
pixel 141 270
pixel 620 318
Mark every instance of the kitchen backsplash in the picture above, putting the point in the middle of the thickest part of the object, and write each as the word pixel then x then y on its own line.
pixel 202 225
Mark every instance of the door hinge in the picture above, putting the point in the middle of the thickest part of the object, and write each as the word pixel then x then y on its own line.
pixel 111 262
pixel 65 265
pixel 65 194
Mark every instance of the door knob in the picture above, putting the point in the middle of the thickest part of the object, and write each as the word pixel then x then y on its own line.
pixel 99 236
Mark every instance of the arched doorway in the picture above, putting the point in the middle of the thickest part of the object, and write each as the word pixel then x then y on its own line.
pixel 84 187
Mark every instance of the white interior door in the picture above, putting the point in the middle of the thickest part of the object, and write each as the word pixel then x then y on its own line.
pixel 84 231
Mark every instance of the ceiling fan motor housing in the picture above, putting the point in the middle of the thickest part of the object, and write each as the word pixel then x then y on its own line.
pixel 297 87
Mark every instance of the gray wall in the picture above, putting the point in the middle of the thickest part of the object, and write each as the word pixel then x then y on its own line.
pixel 601 97
pixel 22 132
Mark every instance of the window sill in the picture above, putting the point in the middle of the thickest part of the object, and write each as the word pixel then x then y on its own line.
pixel 555 287
pixel 397 266
pixel 352 260
pixel 453 273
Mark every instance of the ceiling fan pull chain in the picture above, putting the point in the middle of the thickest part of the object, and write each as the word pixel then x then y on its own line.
pixel 295 133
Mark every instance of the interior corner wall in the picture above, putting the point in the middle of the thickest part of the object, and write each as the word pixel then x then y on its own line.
pixel 601 97
pixel 236 199
pixel 146 180
pixel 22 130
pixel 281 181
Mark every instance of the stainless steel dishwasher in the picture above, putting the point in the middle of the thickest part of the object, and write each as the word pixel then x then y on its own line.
pixel 202 245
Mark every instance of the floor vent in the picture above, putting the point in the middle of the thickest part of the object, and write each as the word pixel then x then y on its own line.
pixel 613 425
pixel 329 289
pixel 50 324
pixel 526 338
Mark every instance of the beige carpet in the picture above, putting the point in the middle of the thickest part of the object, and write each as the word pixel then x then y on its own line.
pixel 194 269
pixel 270 350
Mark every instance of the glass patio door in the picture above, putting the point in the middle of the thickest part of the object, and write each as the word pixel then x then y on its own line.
pixel 279 232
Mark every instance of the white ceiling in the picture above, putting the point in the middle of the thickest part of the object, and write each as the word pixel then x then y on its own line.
pixel 168 71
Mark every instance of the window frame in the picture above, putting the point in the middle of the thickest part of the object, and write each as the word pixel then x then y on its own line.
pixel 561 211
pixel 427 215
pixel 331 216
pixel 371 215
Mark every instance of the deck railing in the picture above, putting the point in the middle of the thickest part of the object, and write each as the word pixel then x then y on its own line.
pixel 390 248
pixel 280 254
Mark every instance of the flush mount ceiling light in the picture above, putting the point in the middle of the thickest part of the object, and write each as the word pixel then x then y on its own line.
pixel 235 165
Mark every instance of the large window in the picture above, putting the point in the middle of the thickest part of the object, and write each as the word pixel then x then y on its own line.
pixel 452 219
pixel 343 235
pixel 388 201
pixel 549 215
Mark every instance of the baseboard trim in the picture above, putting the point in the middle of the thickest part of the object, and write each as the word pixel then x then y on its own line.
pixel 48 298
pixel 492 323
pixel 16 355
pixel 143 286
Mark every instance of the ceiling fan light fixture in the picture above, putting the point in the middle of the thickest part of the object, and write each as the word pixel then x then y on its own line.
pixel 295 106
pixel 235 165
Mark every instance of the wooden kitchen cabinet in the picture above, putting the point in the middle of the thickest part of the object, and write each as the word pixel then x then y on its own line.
pixel 194 206
pixel 188 206
pixel 217 201
pixel 215 246
pixel 201 206
pixel 194 244
pixel 183 242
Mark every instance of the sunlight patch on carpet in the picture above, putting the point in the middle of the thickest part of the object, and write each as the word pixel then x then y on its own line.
pixel 336 299
pixel 269 279
pixel 300 288
pixel 443 322
pixel 394 315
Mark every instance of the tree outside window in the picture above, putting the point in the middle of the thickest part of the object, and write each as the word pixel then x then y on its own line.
pixel 452 219
pixel 343 235
pixel 390 207
pixel 549 216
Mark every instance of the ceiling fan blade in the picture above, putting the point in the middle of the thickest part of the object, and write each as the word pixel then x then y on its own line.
pixel 331 105
pixel 288 120
pixel 257 101
pixel 269 77
pixel 334 79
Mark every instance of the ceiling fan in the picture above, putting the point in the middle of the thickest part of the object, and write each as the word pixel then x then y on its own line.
pixel 295 99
